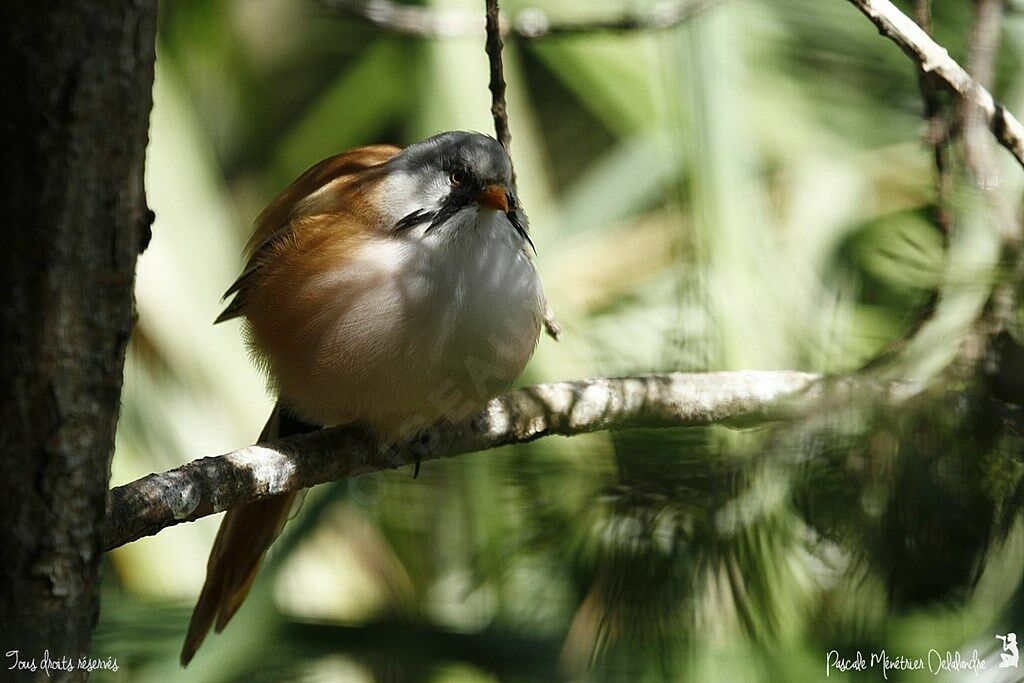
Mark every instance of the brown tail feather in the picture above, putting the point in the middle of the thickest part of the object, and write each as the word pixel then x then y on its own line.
pixel 243 539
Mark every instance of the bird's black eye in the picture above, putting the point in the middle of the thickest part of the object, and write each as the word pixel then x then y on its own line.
pixel 458 177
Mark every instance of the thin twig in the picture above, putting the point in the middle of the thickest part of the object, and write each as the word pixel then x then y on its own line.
pixel 530 24
pixel 936 126
pixel 937 129
pixel 210 485
pixel 499 110
pixel 933 58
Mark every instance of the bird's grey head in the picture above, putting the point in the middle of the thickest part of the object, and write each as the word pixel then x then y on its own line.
pixel 476 155
pixel 456 171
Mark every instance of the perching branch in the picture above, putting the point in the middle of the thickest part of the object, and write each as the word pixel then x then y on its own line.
pixel 933 58
pixel 210 485
pixel 530 24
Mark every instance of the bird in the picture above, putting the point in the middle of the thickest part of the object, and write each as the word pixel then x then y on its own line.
pixel 390 288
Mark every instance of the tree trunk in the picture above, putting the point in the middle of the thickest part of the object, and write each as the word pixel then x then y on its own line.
pixel 77 79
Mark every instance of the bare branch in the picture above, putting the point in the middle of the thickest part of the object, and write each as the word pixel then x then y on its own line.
pixel 937 135
pixel 496 85
pixel 933 58
pixel 937 126
pixel 210 485
pixel 531 24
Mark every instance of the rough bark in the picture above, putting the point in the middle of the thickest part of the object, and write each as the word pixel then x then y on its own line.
pixel 77 82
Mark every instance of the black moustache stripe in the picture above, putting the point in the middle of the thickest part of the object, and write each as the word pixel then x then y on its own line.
pixel 453 204
pixel 417 217
pixel 448 210
pixel 513 218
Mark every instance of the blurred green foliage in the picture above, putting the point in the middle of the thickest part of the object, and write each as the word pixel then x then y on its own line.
pixel 746 190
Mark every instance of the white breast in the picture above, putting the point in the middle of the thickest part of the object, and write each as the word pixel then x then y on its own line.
pixel 423 326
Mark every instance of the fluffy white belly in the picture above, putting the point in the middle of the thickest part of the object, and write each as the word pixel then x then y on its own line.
pixel 418 327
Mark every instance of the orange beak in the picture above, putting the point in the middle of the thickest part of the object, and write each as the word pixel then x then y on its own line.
pixel 494 197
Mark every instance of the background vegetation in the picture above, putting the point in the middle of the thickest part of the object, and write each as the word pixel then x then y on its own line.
pixel 747 190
